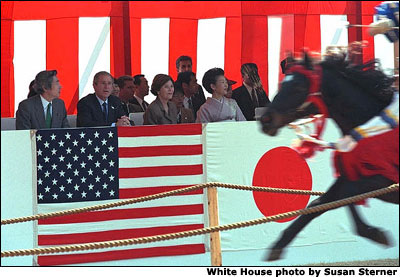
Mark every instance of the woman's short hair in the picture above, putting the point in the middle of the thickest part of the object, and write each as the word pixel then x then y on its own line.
pixel 43 80
pixel 210 77
pixel 158 81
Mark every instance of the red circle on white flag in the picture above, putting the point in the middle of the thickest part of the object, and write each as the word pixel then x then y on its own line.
pixel 281 167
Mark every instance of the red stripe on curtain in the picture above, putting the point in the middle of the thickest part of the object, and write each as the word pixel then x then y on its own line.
pixel 368 52
pixel 62 44
pixel 39 10
pixel 136 48
pixel 307 32
pixel 255 44
pixel 185 9
pixel 182 41
pixel 233 49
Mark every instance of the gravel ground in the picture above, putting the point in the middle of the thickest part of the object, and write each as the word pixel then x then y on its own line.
pixel 386 262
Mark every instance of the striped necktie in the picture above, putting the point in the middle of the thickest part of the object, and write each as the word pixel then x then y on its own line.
pixel 48 116
pixel 254 98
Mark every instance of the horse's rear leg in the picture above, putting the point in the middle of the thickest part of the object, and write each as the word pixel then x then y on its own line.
pixel 342 188
pixel 364 230
pixel 370 232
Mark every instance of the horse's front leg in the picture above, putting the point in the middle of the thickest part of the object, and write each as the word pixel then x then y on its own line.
pixel 291 232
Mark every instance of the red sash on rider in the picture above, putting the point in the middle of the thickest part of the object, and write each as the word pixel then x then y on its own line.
pixel 376 155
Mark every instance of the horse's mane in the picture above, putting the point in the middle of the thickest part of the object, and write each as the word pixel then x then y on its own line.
pixel 368 76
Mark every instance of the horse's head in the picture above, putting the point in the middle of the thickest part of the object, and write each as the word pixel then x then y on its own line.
pixel 290 102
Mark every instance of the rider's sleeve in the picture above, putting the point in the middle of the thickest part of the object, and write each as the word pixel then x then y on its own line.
pixel 388 13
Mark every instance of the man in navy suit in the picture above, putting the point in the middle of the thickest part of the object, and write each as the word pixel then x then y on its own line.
pixel 44 110
pixel 251 94
pixel 101 108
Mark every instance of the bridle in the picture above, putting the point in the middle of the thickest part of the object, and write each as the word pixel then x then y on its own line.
pixel 308 147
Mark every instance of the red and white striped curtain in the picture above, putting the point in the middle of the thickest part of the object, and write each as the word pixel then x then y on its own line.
pixel 81 38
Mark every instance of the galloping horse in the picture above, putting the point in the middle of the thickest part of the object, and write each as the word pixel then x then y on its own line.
pixel 351 95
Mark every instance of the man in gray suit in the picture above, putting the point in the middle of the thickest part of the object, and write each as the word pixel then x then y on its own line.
pixel 44 110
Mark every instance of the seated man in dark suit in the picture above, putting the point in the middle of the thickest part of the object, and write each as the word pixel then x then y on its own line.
pixel 188 82
pixel 101 108
pixel 44 110
pixel 251 94
pixel 141 88
pixel 184 64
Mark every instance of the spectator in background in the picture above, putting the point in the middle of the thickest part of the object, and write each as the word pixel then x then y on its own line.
pixel 141 88
pixel 251 94
pixel 218 107
pixel 101 108
pixel 187 81
pixel 184 64
pixel 32 91
pixel 161 110
pixel 230 84
pixel 116 89
pixel 184 115
pixel 44 110
pixel 126 86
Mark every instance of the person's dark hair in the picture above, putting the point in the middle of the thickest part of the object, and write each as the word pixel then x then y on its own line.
pixel 248 67
pixel 210 77
pixel 121 80
pixel 178 89
pixel 181 59
pixel 137 79
pixel 184 77
pixel 101 73
pixel 43 80
pixel 158 81
pixel 32 91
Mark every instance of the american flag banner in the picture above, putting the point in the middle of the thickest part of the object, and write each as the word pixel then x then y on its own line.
pixel 89 166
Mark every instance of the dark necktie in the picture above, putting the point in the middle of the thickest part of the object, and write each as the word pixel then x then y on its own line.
pixel 190 104
pixel 254 98
pixel 48 116
pixel 104 105
pixel 144 106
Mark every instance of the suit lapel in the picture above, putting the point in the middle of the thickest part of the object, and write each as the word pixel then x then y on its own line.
pixel 39 112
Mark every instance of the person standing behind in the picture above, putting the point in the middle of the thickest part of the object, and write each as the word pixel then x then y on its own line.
pixel 44 110
pixel 140 90
pixel 126 92
pixel 218 107
pixel 161 110
pixel 251 94
pixel 184 64
pixel 101 108
pixel 184 115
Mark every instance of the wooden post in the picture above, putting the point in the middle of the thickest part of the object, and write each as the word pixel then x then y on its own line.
pixel 215 241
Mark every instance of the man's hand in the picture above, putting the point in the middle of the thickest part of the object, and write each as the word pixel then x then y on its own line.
pixel 123 121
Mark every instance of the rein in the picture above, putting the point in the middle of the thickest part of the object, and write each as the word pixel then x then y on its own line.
pixel 307 148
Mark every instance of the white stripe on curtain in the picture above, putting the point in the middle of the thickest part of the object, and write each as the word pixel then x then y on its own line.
pixel 210 46
pixel 94 51
pixel 29 55
pixel 274 48
pixel 333 31
pixel 155 49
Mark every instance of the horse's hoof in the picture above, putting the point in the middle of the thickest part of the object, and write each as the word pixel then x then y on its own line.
pixel 274 254
pixel 376 235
